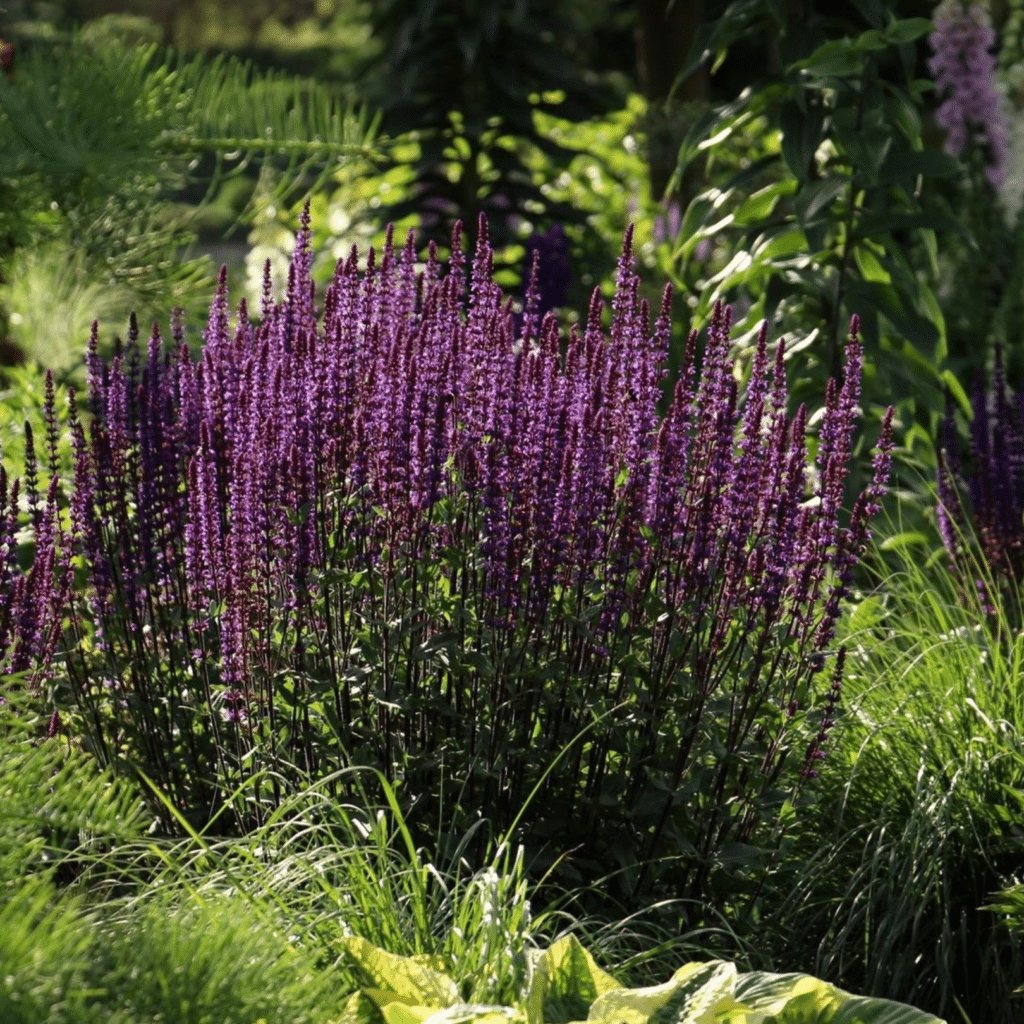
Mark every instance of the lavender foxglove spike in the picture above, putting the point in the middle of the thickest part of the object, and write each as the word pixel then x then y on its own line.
pixel 964 69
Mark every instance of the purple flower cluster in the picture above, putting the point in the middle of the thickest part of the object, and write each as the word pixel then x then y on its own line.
pixel 389 515
pixel 964 68
pixel 32 603
pixel 991 479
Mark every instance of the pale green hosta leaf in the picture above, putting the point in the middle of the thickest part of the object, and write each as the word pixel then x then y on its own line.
pixel 475 1013
pixel 698 993
pixel 417 980
pixel 801 999
pixel 566 981
pixel 567 987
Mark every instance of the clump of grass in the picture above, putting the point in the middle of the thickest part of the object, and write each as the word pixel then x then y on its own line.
pixel 918 823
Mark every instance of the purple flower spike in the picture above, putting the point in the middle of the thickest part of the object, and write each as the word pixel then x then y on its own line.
pixel 964 67
pixel 402 527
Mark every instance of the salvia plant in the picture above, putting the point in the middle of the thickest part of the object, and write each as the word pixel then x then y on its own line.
pixel 392 532
pixel 981 491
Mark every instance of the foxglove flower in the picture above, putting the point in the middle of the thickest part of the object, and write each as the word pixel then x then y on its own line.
pixel 963 67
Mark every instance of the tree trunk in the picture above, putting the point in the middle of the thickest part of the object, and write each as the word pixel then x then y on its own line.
pixel 665 30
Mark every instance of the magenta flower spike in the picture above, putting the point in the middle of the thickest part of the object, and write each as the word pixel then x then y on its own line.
pixel 396 530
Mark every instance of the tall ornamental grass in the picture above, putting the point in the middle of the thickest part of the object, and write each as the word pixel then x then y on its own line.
pixel 393 532
pixel 919 821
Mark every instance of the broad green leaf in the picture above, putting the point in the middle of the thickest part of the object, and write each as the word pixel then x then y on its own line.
pixel 781 244
pixel 419 979
pixel 931 246
pixel 638 1006
pixel 403 1013
pixel 475 1013
pixel 717 123
pixel 817 196
pixel 956 389
pixel 903 112
pixel 794 998
pixel 802 131
pixel 869 266
pixel 693 992
pixel 835 59
pixel 760 205
pixel 359 1008
pixel 865 1010
pixel 801 999
pixel 901 164
pixel 566 981
pixel 932 309
pixel 907 30
pixel 873 39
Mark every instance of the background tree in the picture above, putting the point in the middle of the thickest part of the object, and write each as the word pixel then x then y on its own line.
pixel 467 77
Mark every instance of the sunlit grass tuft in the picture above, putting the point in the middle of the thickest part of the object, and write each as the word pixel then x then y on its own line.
pixel 919 819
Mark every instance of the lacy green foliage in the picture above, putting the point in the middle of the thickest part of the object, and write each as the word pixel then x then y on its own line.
pixel 23 399
pixel 51 299
pixel 97 139
pixel 824 226
pixel 55 799
pixel 565 984
pixel 58 811
pixel 919 822
pixel 76 949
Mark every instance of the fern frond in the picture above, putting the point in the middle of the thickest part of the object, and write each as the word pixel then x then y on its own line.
pixel 52 795
pixel 110 134
pixel 246 116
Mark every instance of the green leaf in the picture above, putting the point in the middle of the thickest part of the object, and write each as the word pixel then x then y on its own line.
pixel 932 309
pixel 930 163
pixel 802 132
pixel 835 59
pixel 957 391
pixel 801 999
pixel 907 30
pixel 359 1008
pixel 714 123
pixel 401 1013
pixel 817 196
pixel 782 243
pixel 873 39
pixel 694 993
pixel 759 206
pixel 415 980
pixel 566 981
pixel 903 112
pixel 869 266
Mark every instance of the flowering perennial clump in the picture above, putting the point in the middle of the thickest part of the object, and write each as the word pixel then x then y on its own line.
pixel 392 532
pixel 984 493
